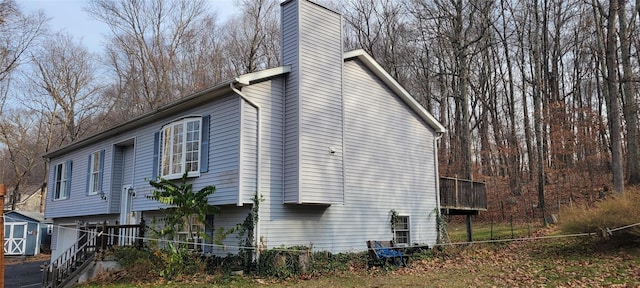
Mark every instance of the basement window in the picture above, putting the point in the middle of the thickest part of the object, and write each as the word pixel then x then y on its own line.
pixel 402 231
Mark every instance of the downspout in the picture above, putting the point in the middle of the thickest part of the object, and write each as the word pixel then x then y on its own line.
pixel 256 232
pixel 435 164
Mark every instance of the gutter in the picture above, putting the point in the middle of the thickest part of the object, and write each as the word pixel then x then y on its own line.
pixel 172 108
pixel 193 100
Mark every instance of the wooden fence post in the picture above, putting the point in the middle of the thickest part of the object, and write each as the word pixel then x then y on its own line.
pixel 141 230
pixel 3 192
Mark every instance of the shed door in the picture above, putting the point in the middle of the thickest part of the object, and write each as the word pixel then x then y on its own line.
pixel 15 238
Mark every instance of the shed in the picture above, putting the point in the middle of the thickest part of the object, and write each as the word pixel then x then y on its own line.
pixel 25 233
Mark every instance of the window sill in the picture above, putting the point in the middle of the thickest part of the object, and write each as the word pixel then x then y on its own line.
pixel 179 176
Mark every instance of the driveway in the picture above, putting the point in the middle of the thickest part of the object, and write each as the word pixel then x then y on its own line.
pixel 25 274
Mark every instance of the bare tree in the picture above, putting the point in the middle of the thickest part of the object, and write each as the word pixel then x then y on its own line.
pixel 144 52
pixel 462 29
pixel 630 98
pixel 613 105
pixel 63 86
pixel 17 33
pixel 19 134
pixel 252 39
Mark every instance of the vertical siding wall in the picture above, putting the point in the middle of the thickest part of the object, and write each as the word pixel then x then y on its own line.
pixel 389 164
pixel 290 44
pixel 389 160
pixel 312 45
pixel 117 171
pixel 248 155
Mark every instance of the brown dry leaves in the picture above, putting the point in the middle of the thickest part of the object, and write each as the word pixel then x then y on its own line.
pixel 557 263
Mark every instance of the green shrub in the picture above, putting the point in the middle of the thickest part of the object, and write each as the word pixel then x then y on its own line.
pixel 226 264
pixel 178 260
pixel 613 212
pixel 129 256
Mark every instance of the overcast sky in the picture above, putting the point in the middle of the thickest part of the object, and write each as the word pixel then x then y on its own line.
pixel 68 15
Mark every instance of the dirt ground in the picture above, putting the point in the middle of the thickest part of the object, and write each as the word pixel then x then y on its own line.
pixel 10 260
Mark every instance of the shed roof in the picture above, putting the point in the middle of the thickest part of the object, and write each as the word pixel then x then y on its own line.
pixel 35 216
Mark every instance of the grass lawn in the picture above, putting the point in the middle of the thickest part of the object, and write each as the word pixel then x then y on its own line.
pixel 486 231
pixel 547 262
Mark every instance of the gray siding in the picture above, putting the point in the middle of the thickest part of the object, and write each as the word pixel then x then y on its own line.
pixel 248 156
pixel 269 96
pixel 290 46
pixel 224 150
pixel 224 153
pixel 228 218
pixel 117 172
pixel 78 201
pixel 389 164
pixel 317 108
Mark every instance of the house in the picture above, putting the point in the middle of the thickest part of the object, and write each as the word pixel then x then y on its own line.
pixel 330 142
pixel 31 201
pixel 26 233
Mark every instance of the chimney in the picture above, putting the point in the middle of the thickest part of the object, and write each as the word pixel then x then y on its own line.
pixel 312 46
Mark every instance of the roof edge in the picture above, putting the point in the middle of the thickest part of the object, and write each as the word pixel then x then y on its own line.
pixel 250 78
pixel 191 99
pixel 396 87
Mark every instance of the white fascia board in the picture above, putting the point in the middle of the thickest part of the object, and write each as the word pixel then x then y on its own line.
pixel 258 76
pixel 194 99
pixel 396 87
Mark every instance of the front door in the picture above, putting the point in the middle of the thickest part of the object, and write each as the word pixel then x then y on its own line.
pixel 125 164
pixel 127 216
pixel 15 238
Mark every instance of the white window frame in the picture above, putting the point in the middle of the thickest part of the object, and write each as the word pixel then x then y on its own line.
pixel 94 176
pixel 403 225
pixel 175 137
pixel 197 229
pixel 60 181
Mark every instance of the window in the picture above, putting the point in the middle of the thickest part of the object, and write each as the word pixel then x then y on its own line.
pixel 180 148
pixel 94 172
pixel 194 240
pixel 62 180
pixel 402 230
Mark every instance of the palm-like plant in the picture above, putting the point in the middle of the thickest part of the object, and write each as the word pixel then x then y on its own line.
pixel 185 206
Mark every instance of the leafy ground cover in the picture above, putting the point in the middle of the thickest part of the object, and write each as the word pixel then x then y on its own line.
pixel 572 262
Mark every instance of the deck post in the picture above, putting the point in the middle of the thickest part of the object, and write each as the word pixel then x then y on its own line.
pixel 457 204
pixel 469 232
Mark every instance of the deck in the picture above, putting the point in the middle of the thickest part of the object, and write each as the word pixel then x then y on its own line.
pixel 462 197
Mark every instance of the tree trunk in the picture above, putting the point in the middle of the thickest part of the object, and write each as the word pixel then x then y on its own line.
pixel 613 105
pixel 630 108
pixel 537 107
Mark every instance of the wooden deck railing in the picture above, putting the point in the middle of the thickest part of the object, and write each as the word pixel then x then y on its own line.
pixel 63 268
pixel 462 194
pixel 92 240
